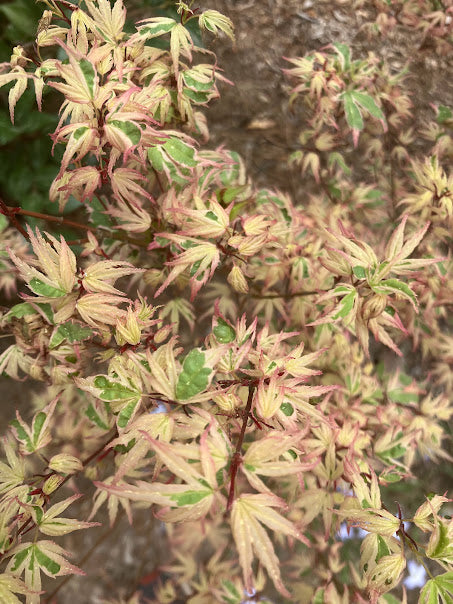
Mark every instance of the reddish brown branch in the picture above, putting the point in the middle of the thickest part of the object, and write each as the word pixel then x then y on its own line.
pixel 10 213
pixel 236 461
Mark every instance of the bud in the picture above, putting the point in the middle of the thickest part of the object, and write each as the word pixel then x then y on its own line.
pixel 374 306
pixel 52 484
pixel 228 402
pixel 63 463
pixel 162 334
pixel 237 280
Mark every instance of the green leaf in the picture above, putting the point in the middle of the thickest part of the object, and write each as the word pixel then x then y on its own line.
pixel 439 587
pixel 113 391
pixel 443 546
pixel 156 158
pixel 22 434
pixel 163 26
pixel 38 424
pixel 193 82
pixel 80 132
pixel 390 599
pixel 287 409
pixel 19 558
pixel 194 376
pixel 383 549
pixel 443 114
pixel 72 332
pixel 398 395
pixel 180 152
pixel 352 112
pixel 24 309
pixel 236 597
pixel 43 289
pixel 189 497
pixel 344 55
pixel 389 286
pixel 131 130
pixel 89 74
pixel 94 416
pixel 224 332
pixel 347 305
pixel 359 272
pixel 45 562
pixel 126 413
pixel 368 103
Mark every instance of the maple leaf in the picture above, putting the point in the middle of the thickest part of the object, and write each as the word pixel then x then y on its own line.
pixel 98 277
pixel 10 585
pixel 38 557
pixel 201 257
pixel 249 512
pixel 58 264
pixel 50 523
pixel 188 501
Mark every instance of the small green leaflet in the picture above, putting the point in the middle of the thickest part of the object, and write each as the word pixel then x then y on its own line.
pixel 287 409
pixel 344 55
pixel 94 416
pixel 439 587
pixel 36 437
pixel 347 304
pixel 72 332
pixel 189 497
pixel 80 132
pixel 234 597
pixel 113 391
pixel 223 332
pixel 383 549
pixel 359 272
pixel 354 102
pixel 131 130
pixel 88 73
pixel 180 152
pixel 156 158
pixel 162 26
pixel 395 286
pixel 398 395
pixel 43 289
pixel 127 413
pixel 24 309
pixel 194 376
pixel 444 548
pixel 443 114
pixel 193 82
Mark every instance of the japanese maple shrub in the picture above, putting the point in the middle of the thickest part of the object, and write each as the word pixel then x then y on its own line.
pixel 204 348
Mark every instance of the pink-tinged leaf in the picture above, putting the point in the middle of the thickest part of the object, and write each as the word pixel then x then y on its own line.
pixel 100 309
pixel 247 514
pixel 51 524
pixel 37 435
pixel 174 462
pixel 15 93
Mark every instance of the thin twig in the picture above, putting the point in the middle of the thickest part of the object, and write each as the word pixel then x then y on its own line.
pixel 11 212
pixel 235 462
pixel 293 295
